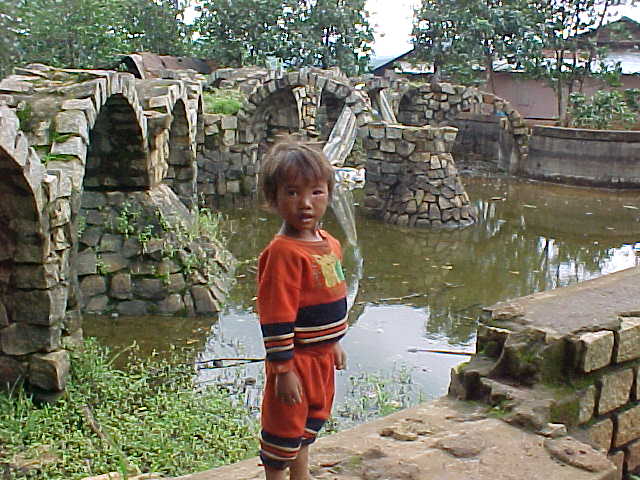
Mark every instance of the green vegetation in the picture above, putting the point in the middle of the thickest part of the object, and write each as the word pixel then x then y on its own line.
pixel 91 33
pixel 322 33
pixel 605 109
pixel 371 395
pixel 24 113
pixel 126 220
pixel 546 40
pixel 225 101
pixel 95 33
pixel 147 417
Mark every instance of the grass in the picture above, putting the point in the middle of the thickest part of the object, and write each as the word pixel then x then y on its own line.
pixel 225 101
pixel 148 418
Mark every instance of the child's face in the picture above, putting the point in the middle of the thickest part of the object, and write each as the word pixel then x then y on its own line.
pixel 301 204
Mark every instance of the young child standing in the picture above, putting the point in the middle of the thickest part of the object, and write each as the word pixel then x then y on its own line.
pixel 302 307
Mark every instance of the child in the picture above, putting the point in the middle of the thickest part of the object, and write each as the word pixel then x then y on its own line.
pixel 302 307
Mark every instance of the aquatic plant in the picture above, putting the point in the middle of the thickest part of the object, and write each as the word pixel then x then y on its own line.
pixel 147 417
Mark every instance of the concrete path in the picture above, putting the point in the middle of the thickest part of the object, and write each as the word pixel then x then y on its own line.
pixel 441 440
pixel 586 305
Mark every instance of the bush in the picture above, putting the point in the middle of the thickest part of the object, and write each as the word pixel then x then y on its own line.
pixel 604 110
pixel 225 101
pixel 147 418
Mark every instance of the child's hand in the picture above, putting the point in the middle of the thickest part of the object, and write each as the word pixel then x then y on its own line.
pixel 339 357
pixel 288 388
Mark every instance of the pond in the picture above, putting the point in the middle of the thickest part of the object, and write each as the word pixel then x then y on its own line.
pixel 418 289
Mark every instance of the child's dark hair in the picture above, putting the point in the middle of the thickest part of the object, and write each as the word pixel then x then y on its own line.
pixel 293 160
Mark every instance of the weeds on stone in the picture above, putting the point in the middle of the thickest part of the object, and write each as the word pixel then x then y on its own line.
pixel 226 101
pixel 147 417
pixel 126 220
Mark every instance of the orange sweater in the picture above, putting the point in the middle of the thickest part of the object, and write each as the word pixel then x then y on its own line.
pixel 301 296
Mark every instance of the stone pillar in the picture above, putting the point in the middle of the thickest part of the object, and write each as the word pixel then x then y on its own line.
pixel 412 179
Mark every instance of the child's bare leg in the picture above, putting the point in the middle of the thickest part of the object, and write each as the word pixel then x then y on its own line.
pixel 273 474
pixel 299 468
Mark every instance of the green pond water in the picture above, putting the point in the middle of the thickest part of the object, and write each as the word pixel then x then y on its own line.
pixel 417 288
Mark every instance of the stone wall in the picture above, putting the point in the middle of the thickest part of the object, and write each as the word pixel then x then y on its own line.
pixel 588 157
pixel 411 177
pixel 142 253
pixel 570 357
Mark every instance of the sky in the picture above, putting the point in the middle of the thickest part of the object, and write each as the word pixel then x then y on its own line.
pixel 392 20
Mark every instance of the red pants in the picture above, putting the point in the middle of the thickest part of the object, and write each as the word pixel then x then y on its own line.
pixel 286 427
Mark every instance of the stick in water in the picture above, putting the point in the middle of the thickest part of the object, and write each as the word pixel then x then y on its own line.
pixel 446 352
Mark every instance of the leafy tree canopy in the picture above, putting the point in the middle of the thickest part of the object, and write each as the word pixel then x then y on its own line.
pixel 321 33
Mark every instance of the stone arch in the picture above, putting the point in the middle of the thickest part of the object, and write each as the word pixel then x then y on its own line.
pixel 34 266
pixel 182 169
pixel 442 104
pixel 328 112
pixel 308 87
pixel 117 154
pixel 278 114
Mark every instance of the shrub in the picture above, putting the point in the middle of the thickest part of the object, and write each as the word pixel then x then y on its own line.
pixel 605 109
pixel 225 101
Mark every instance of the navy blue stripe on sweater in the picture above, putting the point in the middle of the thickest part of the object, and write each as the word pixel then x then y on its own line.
pixel 322 314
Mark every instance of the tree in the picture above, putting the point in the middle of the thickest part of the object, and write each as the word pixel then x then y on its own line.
pixel 328 33
pixel 94 33
pixel 8 49
pixel 436 34
pixel 321 33
pixel 157 26
pixel 70 33
pixel 463 37
pixel 562 27
pixel 240 32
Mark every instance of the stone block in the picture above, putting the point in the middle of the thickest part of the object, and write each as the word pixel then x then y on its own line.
pixel 91 236
pixel 97 304
pixel 615 390
pixel 229 122
pixel 628 340
pixel 40 307
pixel 628 426
pixel 49 371
pixel 11 371
pixel 599 434
pixel 114 262
pixel 377 131
pixel 4 316
pixel 110 243
pixel 171 305
pixel 617 458
pixel 133 308
pixel 93 285
pixel 86 262
pixel 121 286
pixel 22 339
pixel 594 350
pixel 586 404
pixel 632 457
pixel 72 122
pixel 150 288
pixel 388 146
pixel 204 300
pixel 405 148
pixel 41 276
